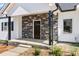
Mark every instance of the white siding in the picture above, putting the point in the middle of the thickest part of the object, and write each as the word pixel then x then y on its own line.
pixel 68 37
pixel 3 34
pixel 16 33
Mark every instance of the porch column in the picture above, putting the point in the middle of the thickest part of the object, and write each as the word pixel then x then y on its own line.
pixel 9 28
pixel 50 28
pixel 52 23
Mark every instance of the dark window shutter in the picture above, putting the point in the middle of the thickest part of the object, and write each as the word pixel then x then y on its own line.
pixel 2 26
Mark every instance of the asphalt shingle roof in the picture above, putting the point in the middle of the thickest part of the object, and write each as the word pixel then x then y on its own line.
pixel 67 6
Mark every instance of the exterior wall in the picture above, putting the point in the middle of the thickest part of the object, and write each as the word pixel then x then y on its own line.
pixel 69 37
pixel 16 33
pixel 23 26
pixel 3 34
pixel 27 26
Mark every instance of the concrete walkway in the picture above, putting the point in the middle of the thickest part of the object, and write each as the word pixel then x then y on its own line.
pixel 16 51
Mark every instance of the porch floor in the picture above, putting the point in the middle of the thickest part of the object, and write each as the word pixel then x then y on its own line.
pixel 37 42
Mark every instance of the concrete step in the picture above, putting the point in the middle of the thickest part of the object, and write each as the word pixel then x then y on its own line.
pixel 26 46
pixel 31 43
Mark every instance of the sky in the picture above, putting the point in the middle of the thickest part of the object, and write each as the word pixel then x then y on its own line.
pixel 1 5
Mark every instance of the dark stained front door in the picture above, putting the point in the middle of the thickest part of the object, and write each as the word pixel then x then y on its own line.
pixel 36 29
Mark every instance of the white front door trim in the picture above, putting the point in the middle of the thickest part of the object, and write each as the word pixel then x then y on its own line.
pixel 33 26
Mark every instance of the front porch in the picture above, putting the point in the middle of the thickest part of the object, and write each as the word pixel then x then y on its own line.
pixel 34 42
pixel 34 26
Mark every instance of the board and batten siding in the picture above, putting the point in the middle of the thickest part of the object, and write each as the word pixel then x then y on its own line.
pixel 16 33
pixel 69 37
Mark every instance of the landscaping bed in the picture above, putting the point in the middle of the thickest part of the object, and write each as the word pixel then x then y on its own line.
pixel 59 49
pixel 4 46
pixel 30 52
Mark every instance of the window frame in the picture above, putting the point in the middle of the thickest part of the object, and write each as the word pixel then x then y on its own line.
pixel 70 31
pixel 5 24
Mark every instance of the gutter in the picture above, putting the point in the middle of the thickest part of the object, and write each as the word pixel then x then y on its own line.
pixel 56 8
pixel 51 26
pixel 57 4
pixel 53 21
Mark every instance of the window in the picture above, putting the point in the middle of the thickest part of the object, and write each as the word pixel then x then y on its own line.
pixel 5 26
pixel 68 25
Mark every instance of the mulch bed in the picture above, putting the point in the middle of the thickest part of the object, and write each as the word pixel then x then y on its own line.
pixel 30 51
pixel 66 49
pixel 4 48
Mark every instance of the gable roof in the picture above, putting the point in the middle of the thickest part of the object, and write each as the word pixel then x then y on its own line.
pixel 3 7
pixel 64 7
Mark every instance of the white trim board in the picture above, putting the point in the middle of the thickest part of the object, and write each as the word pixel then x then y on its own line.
pixel 33 26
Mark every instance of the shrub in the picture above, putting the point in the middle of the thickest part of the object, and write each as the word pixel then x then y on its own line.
pixel 56 51
pixel 37 51
pixel 3 41
pixel 73 51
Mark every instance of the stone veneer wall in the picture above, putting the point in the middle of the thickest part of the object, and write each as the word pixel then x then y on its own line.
pixel 27 25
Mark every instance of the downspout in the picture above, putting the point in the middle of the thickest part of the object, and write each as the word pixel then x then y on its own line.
pixel 50 18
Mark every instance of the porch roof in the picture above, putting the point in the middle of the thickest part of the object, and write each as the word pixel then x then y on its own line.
pixel 29 8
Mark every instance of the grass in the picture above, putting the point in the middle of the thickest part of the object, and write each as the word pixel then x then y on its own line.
pixel 3 41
